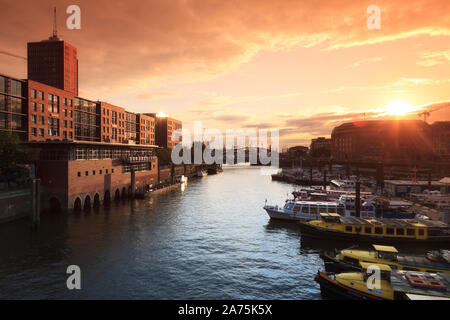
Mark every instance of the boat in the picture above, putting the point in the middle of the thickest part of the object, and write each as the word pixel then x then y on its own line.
pixel 349 260
pixel 376 230
pixel 318 203
pixel 201 173
pixel 345 185
pixel 181 179
pixel 392 284
pixel 302 210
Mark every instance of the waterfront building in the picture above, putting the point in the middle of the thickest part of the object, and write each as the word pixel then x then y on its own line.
pixel 146 129
pixel 165 127
pixel 76 174
pixel 376 140
pixel 54 62
pixel 320 147
pixel 112 123
pixel 51 113
pixel 13 106
pixel 400 188
pixel 441 139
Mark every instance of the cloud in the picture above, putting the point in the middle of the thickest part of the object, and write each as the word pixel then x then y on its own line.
pixel 155 95
pixel 128 45
pixel 434 58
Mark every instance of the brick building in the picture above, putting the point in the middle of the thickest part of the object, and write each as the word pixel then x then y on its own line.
pixel 112 123
pixel 320 147
pixel 167 131
pixel 50 113
pixel 78 175
pixel 146 129
pixel 54 62
pixel 390 140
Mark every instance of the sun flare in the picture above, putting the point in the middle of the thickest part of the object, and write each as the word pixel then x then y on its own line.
pixel 398 108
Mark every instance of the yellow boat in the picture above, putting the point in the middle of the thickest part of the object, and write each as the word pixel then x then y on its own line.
pixel 376 230
pixel 392 285
pixel 349 260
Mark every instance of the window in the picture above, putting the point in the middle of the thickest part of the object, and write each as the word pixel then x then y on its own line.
pixel 400 232
pixel 41 95
pixel 33 93
pixel 93 172
pixel 112 170
pixel 389 230
pixel 100 172
pixel 421 232
pixel 79 173
pixel 378 230
pixel 41 132
pixel 41 107
pixel 106 171
pixel 349 229
pixel 34 106
pixel 33 118
pixel 410 232
pixel 367 229
pixel 86 173
pixel 34 131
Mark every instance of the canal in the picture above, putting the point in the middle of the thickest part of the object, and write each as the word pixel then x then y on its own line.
pixel 211 240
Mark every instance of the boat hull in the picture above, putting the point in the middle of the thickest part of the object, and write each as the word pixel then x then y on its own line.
pixel 332 290
pixel 281 216
pixel 315 232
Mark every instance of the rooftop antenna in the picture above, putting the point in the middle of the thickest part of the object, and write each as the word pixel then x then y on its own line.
pixel 55 31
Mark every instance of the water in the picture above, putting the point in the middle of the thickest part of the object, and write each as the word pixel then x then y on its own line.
pixel 211 241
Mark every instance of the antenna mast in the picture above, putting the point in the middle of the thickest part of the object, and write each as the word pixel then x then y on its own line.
pixel 55 31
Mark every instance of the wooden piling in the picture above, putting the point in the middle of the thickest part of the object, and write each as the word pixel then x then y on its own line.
pixel 36 203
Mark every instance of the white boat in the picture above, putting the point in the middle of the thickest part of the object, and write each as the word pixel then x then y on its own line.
pixel 311 210
pixel 182 179
pixel 302 210
pixel 345 185
pixel 201 173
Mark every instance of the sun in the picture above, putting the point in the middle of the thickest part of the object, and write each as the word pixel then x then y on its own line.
pixel 398 108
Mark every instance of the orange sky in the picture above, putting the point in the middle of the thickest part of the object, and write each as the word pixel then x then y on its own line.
pixel 300 66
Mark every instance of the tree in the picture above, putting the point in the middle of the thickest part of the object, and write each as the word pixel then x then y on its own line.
pixel 164 156
pixel 13 155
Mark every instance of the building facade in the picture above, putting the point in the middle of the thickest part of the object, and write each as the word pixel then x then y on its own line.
pixel 13 106
pixel 54 62
pixel 320 147
pixel 167 131
pixel 146 129
pixel 387 140
pixel 80 175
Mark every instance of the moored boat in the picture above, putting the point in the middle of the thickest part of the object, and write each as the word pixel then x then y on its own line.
pixel 391 284
pixel 350 259
pixel 376 230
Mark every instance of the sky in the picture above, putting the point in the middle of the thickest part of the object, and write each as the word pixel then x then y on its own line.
pixel 302 67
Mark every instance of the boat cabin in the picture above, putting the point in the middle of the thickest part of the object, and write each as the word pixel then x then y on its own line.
pixel 386 252
pixel 331 217
pixel 367 269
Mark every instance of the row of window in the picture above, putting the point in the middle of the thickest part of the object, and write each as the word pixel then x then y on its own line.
pixel 86 173
pixel 389 231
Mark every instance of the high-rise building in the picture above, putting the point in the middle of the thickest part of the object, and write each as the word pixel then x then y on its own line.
pixel 54 62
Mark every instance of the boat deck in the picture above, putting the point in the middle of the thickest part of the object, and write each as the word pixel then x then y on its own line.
pixel 399 282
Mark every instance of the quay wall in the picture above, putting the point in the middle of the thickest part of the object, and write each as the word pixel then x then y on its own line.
pixel 15 205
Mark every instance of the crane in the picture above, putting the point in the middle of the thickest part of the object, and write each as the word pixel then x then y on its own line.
pixel 432 108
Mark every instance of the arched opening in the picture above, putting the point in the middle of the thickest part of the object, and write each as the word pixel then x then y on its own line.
pixel 87 203
pixel 96 201
pixel 77 205
pixel 124 193
pixel 54 205
pixel 107 198
pixel 117 195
